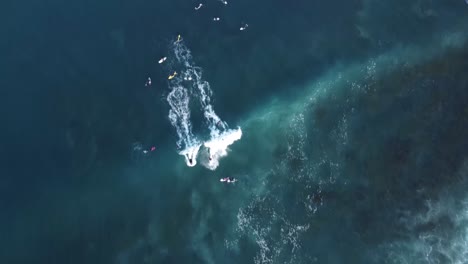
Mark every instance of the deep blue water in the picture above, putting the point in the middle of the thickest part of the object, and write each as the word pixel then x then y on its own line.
pixel 354 117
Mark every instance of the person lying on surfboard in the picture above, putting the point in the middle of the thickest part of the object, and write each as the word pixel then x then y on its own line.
pixel 172 76
pixel 228 180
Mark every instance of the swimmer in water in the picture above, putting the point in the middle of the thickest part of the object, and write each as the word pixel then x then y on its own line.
pixel 215 18
pixel 244 27
pixel 148 82
pixel 199 6
pixel 172 76
pixel 224 2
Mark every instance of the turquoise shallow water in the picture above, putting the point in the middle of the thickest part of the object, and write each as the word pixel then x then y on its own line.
pixel 353 116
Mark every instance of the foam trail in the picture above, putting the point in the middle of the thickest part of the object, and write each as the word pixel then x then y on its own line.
pixel 221 137
pixel 179 115
pixel 218 146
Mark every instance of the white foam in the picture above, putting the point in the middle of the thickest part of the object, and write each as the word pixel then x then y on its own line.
pixel 191 154
pixel 179 115
pixel 218 146
pixel 221 137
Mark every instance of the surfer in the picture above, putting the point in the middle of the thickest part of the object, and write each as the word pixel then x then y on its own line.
pixel 179 38
pixel 199 6
pixel 228 180
pixel 215 18
pixel 153 148
pixel 188 158
pixel 220 124
pixel 244 27
pixel 148 82
pixel 172 76
pixel 163 59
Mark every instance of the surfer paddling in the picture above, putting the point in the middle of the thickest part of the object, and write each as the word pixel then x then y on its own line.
pixel 163 59
pixel 153 148
pixel 228 180
pixel 172 76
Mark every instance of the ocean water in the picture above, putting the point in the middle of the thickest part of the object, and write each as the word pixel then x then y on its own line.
pixel 343 122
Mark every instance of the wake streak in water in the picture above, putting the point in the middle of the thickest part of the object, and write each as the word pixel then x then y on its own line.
pixel 221 137
pixel 193 76
pixel 179 115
